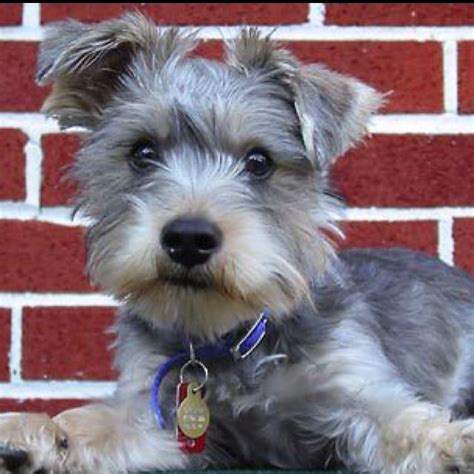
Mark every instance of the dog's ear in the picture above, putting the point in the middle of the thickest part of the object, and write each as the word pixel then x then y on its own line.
pixel 333 109
pixel 86 62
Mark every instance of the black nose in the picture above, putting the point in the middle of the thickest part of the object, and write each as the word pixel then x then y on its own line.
pixel 190 241
pixel 12 458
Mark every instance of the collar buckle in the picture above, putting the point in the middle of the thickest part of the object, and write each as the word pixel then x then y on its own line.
pixel 252 338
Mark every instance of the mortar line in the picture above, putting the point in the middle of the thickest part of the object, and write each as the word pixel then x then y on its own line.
pixel 34 124
pixel 16 332
pixel 34 157
pixel 47 299
pixel 55 389
pixel 450 76
pixel 445 240
pixel 316 14
pixel 302 31
pixel 31 15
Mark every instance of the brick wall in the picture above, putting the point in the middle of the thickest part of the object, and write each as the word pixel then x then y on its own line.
pixel 411 184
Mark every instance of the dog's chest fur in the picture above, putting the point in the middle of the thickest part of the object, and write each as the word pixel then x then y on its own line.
pixel 274 407
pixel 257 404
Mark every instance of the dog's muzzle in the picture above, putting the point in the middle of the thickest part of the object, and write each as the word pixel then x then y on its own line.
pixel 191 241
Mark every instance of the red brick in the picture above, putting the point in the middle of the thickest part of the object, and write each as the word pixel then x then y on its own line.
pixel 443 14
pixel 466 76
pixel 388 66
pixel 463 234
pixel 212 49
pixel 67 343
pixel 18 91
pixel 183 13
pixel 411 71
pixel 51 407
pixel 10 13
pixel 417 235
pixel 38 256
pixel 4 343
pixel 58 151
pixel 12 164
pixel 408 171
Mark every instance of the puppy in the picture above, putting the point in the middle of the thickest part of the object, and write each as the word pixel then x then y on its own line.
pixel 207 187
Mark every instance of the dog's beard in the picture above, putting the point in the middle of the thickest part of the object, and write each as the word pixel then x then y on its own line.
pixel 209 307
pixel 208 300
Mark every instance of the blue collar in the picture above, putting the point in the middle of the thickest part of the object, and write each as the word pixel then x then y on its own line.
pixel 239 350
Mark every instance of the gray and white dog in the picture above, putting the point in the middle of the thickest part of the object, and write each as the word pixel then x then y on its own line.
pixel 207 185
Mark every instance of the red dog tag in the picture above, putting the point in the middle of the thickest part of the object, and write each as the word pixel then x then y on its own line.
pixel 192 418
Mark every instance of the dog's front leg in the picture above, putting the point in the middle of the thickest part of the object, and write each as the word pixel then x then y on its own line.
pixel 111 438
pixel 101 438
pixel 376 418
pixel 422 439
pixel 419 439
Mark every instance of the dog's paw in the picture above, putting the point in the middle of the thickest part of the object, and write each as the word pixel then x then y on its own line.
pixel 453 446
pixel 31 442
pixel 91 442
pixel 442 447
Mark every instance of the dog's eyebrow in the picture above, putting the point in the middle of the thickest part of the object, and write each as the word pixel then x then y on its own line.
pixel 196 127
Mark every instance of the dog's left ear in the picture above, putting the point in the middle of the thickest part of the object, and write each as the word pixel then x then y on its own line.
pixel 333 109
pixel 85 63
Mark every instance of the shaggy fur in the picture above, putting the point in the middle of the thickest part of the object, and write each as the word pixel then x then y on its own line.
pixel 367 362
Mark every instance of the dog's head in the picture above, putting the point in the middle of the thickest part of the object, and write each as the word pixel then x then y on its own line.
pixel 207 181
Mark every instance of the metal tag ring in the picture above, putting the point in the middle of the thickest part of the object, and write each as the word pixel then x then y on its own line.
pixel 195 362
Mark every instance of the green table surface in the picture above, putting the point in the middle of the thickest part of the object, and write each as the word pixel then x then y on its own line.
pixel 250 471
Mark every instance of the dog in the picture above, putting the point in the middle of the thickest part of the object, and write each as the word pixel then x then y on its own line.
pixel 208 190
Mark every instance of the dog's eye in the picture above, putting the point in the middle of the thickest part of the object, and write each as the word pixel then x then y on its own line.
pixel 258 164
pixel 143 156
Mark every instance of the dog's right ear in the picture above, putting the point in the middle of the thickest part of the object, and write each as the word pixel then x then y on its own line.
pixel 333 109
pixel 86 62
